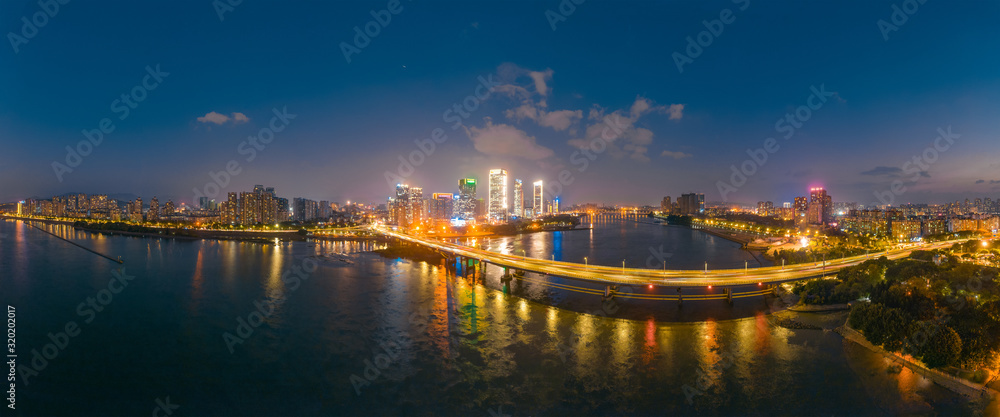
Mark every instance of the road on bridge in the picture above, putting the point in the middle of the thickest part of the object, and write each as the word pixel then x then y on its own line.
pixel 677 278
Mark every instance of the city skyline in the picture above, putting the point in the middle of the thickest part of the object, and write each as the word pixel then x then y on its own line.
pixel 681 130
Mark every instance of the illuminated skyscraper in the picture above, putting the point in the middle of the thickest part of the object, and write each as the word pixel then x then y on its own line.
pixel 820 209
pixel 538 204
pixel 441 206
pixel 518 199
pixel 465 207
pixel 498 196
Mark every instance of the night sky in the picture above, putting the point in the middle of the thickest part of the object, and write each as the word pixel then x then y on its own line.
pixel 554 91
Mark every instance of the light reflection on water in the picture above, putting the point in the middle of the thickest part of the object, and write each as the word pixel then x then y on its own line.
pixel 464 348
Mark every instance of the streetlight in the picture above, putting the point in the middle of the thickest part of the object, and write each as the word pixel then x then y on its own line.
pixel 706 267
pixel 746 267
pixel 585 264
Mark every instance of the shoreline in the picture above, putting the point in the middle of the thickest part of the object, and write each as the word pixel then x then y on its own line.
pixel 968 389
pixel 199 234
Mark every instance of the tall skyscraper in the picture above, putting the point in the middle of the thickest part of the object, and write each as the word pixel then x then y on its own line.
pixel 820 209
pixel 465 208
pixel 666 205
pixel 417 208
pixel 154 210
pixel 407 208
pixel 538 203
pixel 518 199
pixel 498 196
pixel 441 206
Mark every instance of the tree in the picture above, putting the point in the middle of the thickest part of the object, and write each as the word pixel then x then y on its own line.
pixel 943 348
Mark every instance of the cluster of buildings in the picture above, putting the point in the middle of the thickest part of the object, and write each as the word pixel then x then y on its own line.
pixel 410 208
pixel 97 206
pixel 258 207
pixel 686 204
pixel 903 224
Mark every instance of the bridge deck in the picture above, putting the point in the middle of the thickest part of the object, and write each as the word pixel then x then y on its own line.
pixel 637 276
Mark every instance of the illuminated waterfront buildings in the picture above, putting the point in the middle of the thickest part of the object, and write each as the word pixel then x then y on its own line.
pixel 497 212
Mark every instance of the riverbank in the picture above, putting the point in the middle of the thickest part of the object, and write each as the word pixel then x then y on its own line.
pixel 32 219
pixel 820 308
pixel 970 390
pixel 731 236
pixel 196 234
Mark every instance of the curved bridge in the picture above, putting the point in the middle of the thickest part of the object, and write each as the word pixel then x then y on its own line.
pixel 670 278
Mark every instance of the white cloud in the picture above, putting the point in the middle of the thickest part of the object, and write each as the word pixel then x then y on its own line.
pixel 219 118
pixel 560 119
pixel 213 117
pixel 676 155
pixel 676 111
pixel 506 140
pixel 541 79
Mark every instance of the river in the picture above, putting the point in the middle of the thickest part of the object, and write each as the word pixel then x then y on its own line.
pixel 366 335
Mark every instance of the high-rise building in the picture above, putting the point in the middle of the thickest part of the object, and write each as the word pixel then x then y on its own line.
pixel 498 206
pixel 538 202
pixel 465 207
pixel 518 199
pixel 665 205
pixel 137 210
pixel 407 208
pixel 691 203
pixel 801 205
pixel 555 206
pixel 282 211
pixel 765 208
pixel 417 210
pixel 820 209
pixel 304 209
pixel 154 210
pixel 441 206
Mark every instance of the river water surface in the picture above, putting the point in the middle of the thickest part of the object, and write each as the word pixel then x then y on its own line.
pixel 366 335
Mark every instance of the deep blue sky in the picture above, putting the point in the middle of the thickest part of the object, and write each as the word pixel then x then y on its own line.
pixel 940 69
